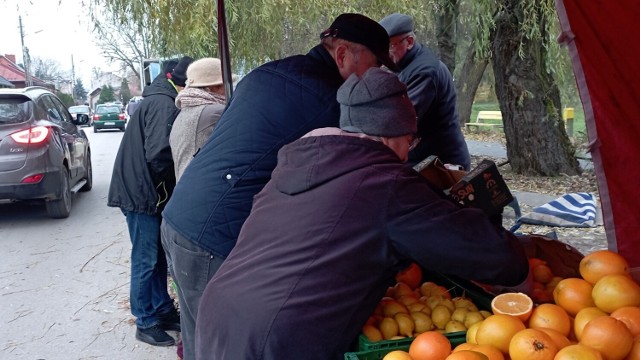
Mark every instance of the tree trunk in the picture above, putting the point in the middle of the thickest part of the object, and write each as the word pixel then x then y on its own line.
pixel 468 82
pixel 446 33
pixel 537 142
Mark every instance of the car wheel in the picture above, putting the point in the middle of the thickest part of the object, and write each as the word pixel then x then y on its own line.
pixel 95 129
pixel 89 175
pixel 122 129
pixel 61 208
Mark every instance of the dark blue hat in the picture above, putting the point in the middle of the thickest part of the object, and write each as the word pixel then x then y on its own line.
pixel 179 72
pixel 397 23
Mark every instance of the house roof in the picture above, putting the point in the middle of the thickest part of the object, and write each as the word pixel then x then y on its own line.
pixel 11 72
pixel 5 83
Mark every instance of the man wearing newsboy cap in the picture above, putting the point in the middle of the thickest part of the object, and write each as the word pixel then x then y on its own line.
pixel 273 105
pixel 432 93
pixel 339 218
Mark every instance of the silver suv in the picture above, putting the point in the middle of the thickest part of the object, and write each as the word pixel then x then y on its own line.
pixel 44 155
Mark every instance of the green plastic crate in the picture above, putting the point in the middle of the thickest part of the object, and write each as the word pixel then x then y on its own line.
pixel 456 287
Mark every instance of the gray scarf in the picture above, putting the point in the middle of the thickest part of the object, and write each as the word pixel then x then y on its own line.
pixel 196 96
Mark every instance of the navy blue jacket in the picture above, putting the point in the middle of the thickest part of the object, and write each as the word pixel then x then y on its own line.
pixel 323 242
pixel 143 174
pixel 273 105
pixel 433 94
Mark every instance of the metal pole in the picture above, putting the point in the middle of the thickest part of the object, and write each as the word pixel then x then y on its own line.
pixel 223 46
pixel 25 56
pixel 73 80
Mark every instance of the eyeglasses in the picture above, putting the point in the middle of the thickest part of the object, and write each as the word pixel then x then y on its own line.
pixel 415 140
pixel 393 45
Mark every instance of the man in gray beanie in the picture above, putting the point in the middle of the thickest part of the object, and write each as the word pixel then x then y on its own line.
pixel 432 92
pixel 341 215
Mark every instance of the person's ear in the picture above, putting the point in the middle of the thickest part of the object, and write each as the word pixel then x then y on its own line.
pixel 341 55
pixel 410 41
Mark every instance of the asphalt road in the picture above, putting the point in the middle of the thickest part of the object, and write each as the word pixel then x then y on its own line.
pixel 64 284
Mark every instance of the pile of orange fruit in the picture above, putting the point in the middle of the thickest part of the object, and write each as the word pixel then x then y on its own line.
pixel 593 317
pixel 412 307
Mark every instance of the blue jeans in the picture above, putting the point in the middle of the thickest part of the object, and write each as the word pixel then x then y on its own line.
pixel 149 296
pixel 191 267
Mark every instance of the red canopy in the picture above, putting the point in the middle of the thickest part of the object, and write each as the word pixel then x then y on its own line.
pixel 602 37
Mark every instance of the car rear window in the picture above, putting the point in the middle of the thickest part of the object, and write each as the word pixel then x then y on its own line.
pixel 15 110
pixel 107 109
pixel 77 109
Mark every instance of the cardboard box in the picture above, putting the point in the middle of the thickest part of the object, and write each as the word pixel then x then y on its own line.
pixel 482 188
pixel 438 174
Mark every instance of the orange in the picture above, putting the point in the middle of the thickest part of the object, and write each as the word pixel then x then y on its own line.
pixel 583 317
pixel 467 355
pixel 573 295
pixel 497 330
pixel 532 344
pixel 542 273
pixel 430 345
pixel 516 304
pixel 397 355
pixel 634 354
pixel 560 340
pixel 533 262
pixel 578 352
pixel 609 336
pixel 550 316
pixel 630 316
pixel 541 296
pixel 411 276
pixel 600 263
pixel 612 292
pixel 491 352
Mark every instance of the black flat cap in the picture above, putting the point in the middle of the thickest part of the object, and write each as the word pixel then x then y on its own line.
pixel 360 29
pixel 397 23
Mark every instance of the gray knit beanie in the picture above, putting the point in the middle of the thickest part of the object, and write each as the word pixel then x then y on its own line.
pixel 376 104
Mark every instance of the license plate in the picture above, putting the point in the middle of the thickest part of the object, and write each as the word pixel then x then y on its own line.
pixel 109 123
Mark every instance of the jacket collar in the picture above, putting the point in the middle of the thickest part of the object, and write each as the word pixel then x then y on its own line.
pixel 321 54
pixel 410 55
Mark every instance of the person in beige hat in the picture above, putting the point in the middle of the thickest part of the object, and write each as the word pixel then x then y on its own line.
pixel 201 103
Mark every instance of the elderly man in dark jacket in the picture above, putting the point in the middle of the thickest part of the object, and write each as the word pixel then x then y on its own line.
pixel 273 105
pixel 325 237
pixel 142 181
pixel 432 93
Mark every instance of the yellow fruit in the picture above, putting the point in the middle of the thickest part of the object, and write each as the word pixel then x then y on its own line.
pixel 405 324
pixel 600 263
pixel 388 328
pixel 471 333
pixel 417 306
pixel 532 344
pixel 454 326
pixel 609 336
pixel 459 314
pixel 434 300
pixel 372 333
pixel 491 352
pixel 397 355
pixel 401 289
pixel 550 316
pixel 578 352
pixel 583 317
pixel 422 322
pixel 390 307
pixel 485 313
pixel 612 292
pixel 473 317
pixel 467 355
pixel 497 330
pixel 515 304
pixel 573 295
pixel 440 316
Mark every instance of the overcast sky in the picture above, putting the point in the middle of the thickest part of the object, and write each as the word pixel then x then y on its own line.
pixel 54 29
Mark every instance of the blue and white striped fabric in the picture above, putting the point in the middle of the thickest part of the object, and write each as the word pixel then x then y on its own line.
pixel 569 210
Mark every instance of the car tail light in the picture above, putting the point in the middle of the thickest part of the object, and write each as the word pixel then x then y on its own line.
pixel 96 117
pixel 121 116
pixel 33 179
pixel 33 135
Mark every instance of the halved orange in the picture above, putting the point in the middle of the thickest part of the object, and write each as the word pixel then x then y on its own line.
pixel 515 304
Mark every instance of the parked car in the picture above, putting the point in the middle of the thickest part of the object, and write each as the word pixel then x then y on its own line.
pixel 108 116
pixel 44 154
pixel 83 114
